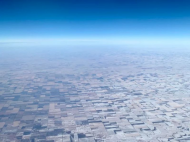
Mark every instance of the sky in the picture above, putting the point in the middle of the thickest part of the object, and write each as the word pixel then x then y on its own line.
pixel 151 21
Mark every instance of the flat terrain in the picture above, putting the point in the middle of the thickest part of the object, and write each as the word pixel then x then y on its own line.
pixel 94 95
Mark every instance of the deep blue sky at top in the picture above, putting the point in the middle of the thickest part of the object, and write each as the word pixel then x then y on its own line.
pixel 82 19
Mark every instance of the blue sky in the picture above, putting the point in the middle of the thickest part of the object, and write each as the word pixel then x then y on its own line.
pixel 119 20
